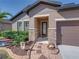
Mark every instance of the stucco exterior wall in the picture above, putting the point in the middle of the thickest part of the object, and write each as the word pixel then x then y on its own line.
pixel 31 29
pixel 53 16
pixel 22 18
pixel 14 26
pixel 67 15
pixel 43 10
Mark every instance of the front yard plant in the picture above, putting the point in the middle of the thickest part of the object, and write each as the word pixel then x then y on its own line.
pixel 15 36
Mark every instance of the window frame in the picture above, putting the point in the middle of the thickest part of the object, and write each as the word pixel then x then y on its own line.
pixel 26 25
pixel 18 27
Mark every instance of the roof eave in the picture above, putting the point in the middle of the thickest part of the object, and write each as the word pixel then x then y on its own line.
pixel 68 8
pixel 52 4
pixel 28 8
pixel 16 16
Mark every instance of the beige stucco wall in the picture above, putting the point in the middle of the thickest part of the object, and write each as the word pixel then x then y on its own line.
pixel 68 15
pixel 53 17
pixel 43 10
pixel 22 18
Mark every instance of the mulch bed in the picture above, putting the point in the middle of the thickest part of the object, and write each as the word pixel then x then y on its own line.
pixel 18 51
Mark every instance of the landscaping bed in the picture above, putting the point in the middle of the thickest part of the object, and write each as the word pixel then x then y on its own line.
pixel 4 55
pixel 13 37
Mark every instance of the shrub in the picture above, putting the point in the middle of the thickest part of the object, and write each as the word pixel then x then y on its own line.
pixel 17 36
pixel 8 34
pixel 20 37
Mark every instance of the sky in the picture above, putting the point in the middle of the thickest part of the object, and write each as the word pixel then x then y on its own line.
pixel 15 6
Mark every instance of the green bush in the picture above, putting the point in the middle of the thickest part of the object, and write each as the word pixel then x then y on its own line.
pixel 8 34
pixel 20 37
pixel 17 36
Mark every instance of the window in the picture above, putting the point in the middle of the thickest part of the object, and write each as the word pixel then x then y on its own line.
pixel 19 26
pixel 26 25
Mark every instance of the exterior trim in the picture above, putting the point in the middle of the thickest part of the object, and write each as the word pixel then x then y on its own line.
pixel 16 16
pixel 69 7
pixel 45 15
pixel 71 19
pixel 51 28
pixel 31 28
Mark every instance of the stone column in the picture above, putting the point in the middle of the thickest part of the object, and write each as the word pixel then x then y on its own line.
pixel 32 29
pixel 52 30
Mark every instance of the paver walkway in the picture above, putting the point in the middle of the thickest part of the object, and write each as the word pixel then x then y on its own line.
pixel 40 51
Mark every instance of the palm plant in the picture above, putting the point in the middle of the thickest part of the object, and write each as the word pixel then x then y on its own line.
pixel 4 15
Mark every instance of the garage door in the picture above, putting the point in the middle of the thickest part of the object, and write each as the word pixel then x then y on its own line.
pixel 70 35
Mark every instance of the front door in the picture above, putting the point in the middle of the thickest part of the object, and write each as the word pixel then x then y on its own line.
pixel 44 29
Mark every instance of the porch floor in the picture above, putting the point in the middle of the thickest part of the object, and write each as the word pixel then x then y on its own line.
pixel 42 40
